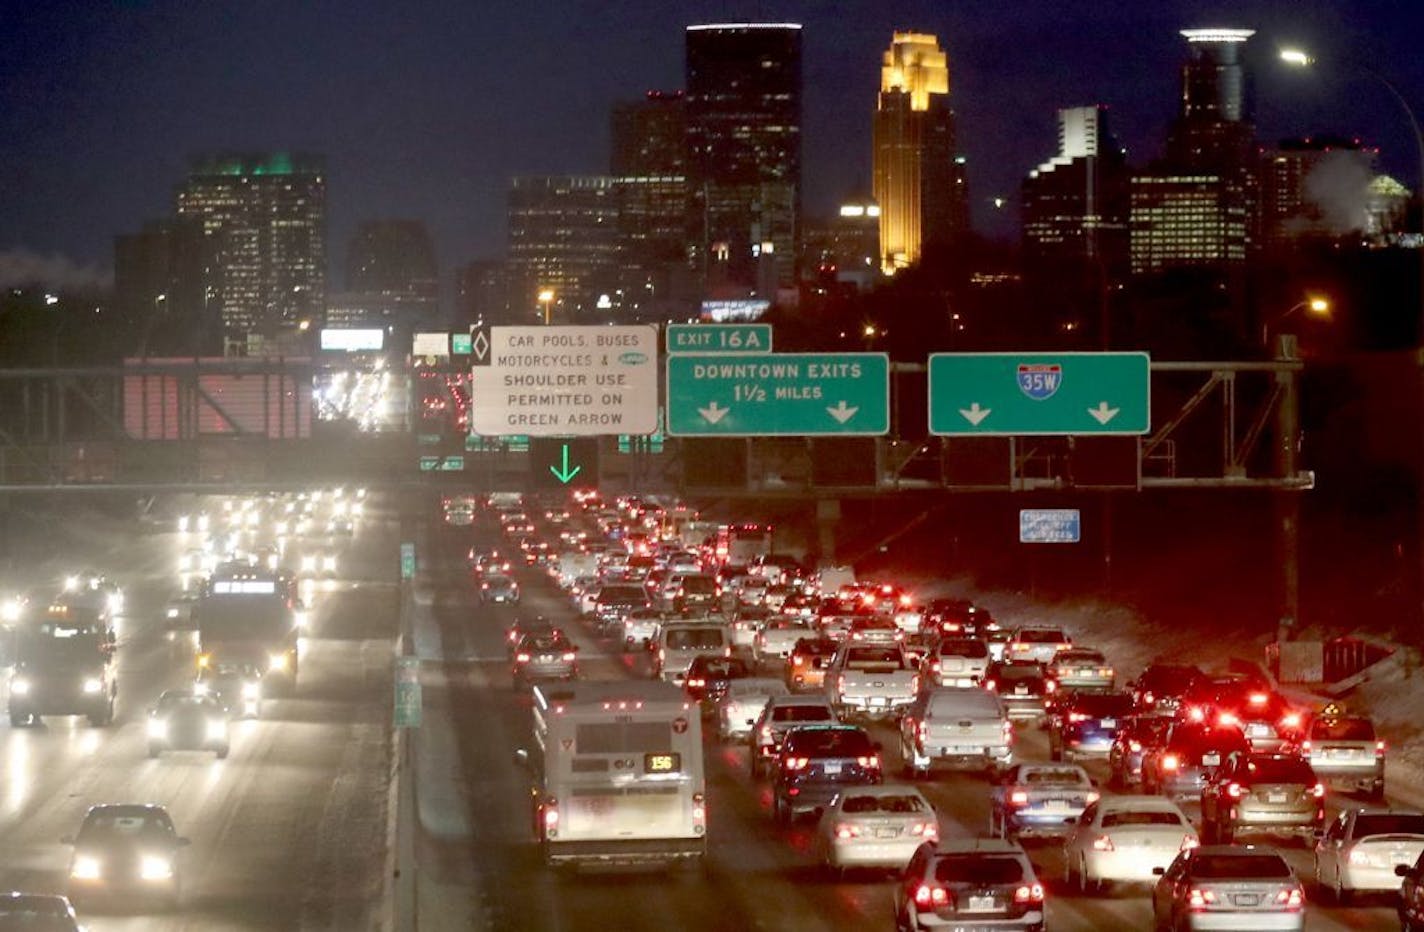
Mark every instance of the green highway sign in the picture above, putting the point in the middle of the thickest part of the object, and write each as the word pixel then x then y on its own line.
pixel 784 394
pixel 1023 394
pixel 427 440
pixel 408 700
pixel 429 463
pixel 407 554
pixel 452 464
pixel 719 338
pixel 461 344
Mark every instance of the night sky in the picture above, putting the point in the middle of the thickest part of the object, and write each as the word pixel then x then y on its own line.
pixel 425 108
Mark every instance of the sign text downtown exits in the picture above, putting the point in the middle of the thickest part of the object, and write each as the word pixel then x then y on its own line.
pixel 836 394
pixel 1026 394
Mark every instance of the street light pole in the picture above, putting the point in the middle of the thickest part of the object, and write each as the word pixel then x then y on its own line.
pixel 546 298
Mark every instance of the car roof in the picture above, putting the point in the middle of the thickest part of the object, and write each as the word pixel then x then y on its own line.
pixel 979 845
pixel 126 809
pixel 883 789
pixel 795 699
pixel 1137 804
pixel 1260 851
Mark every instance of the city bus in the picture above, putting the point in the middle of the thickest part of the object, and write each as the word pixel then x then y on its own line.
pixel 617 775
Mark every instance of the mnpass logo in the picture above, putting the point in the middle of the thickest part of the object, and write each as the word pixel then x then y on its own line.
pixel 1040 381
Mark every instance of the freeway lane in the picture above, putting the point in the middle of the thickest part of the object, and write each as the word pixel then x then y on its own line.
pixel 758 877
pixel 289 831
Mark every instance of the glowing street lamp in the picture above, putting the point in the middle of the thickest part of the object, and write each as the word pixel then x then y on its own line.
pixel 1315 306
pixel 546 298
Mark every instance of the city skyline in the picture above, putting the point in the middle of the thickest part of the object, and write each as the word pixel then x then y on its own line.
pixel 88 161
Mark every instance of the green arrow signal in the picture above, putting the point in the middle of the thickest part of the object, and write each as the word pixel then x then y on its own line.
pixel 565 474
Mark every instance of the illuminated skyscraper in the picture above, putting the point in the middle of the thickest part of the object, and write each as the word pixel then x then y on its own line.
pixel 564 238
pixel 744 154
pixel 264 221
pixel 918 182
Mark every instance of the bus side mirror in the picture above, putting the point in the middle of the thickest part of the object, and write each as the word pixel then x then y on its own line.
pixel 521 759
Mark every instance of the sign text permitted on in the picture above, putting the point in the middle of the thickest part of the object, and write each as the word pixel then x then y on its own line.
pixel 1050 526
pixel 566 381
pixel 839 394
pixel 1023 394
pixel 719 338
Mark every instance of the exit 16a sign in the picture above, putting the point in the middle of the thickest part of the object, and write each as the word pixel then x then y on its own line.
pixel 719 338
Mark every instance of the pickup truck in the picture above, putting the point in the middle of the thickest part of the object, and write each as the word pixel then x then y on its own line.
pixel 871 680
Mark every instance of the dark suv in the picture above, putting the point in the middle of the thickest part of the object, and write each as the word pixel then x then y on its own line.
pixel 818 761
pixel 1160 687
pixel 1084 724
pixel 1180 767
pixel 708 676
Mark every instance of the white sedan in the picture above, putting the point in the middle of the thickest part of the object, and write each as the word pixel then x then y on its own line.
pixel 743 702
pixel 1361 848
pixel 1123 838
pixel 875 826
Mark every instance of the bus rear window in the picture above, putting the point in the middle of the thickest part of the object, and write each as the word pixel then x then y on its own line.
pixel 622 737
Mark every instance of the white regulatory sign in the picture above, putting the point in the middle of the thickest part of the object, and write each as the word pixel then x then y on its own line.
pixel 564 381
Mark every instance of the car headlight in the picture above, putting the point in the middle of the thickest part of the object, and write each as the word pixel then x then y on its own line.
pixel 155 867
pixel 329 564
pixel 71 583
pixel 116 602
pixel 173 613
pixel 217 730
pixel 201 689
pixel 308 564
pixel 10 610
pixel 252 690
pixel 92 686
pixel 158 728
pixel 278 662
pixel 20 687
pixel 183 522
pixel 86 868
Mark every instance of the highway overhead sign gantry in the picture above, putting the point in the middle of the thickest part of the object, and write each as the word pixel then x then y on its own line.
pixel 780 394
pixel 719 338
pixel 564 381
pixel 1022 394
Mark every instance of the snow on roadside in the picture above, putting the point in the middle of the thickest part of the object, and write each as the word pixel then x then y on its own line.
pixel 1394 698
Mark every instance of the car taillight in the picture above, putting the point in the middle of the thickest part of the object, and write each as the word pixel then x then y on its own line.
pixel 1305 746
pixel 1170 762
pixel 699 807
pixel 662 655
pixel 991 685
pixel 569 656
pixel 1018 798
pixel 1018 647
pixel 1094 796
pixel 1259 698
pixel 925 829
pixel 1200 899
pixel 1077 717
pixel 1134 746
pixel 795 763
pixel 1103 843
pixel 551 815
pixel 1029 893
pixel 1233 790
pixel 1318 791
pixel 931 895
pixel 915 683
pixel 696 682
pixel 1294 898
pixel 1188 841
pixel 1291 721
pixel 1196 714
pixel 1227 720
pixel 1379 748
pixel 847 831
pixel 1050 686
pixel 521 658
pixel 872 762
pixel 1148 698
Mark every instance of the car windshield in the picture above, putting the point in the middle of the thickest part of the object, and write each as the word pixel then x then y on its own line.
pixel 1390 823
pixel 699 585
pixel 694 638
pixel 1081 657
pixel 545 642
pixel 622 595
pixel 721 667
pixel 1141 817
pixel 1020 671
pixel 1202 740
pixel 1342 729
pixel 1042 636
pixel 979 869
pixel 1053 775
pixel 1280 770
pixel 1168 679
pixel 116 825
pixel 830 742
pixel 1104 705
pixel 899 803
pixel 1240 867
pixel 184 703
pixel 972 648
pixel 857 656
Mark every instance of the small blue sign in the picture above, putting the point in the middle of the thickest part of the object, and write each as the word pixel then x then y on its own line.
pixel 1040 381
pixel 1050 526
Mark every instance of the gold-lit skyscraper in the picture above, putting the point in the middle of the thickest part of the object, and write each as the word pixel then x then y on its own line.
pixel 918 183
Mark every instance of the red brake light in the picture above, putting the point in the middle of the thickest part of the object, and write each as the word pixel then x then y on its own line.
pixel 930 895
pixel 847 831
pixel 1077 717
pixel 1050 686
pixel 1291 721
pixel 795 763
pixel 1029 894
pixel 1197 714
pixel 1103 843
pixel 1170 762
pixel 1294 898
pixel 1188 841
pixel 1259 698
pixel 1379 748
pixel 1318 791
pixel 991 685
pixel 1233 790
pixel 522 658
pixel 569 655
pixel 1134 746
pixel 1018 798
pixel 1200 899
pixel 1226 720
pixel 872 762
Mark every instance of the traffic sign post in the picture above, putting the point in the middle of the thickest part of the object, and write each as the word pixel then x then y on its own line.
pixel 1025 394
pixel 719 338
pixel 408 699
pixel 842 394
pixel 1050 526
pixel 564 381
pixel 407 560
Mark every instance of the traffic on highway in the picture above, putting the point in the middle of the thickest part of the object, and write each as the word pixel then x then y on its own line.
pixel 636 716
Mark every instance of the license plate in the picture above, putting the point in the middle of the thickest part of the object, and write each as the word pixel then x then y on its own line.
pixel 981 903
pixel 1020 690
pixel 1055 805
pixel 1275 797
pixel 833 767
pixel 1341 752
pixel 887 833
pixel 1211 760
pixel 1245 899
pixel 545 658
pixel 1109 723
pixel 1258 731
pixel 877 701
pixel 1403 857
